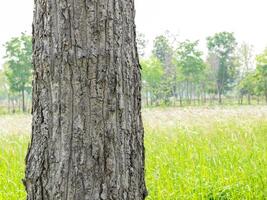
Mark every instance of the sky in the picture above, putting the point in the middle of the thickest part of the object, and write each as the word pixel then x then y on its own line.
pixel 188 19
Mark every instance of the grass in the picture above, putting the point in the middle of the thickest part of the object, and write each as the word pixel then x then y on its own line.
pixel 191 153
pixel 12 154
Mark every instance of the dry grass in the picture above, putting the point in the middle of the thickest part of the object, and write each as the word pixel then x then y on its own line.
pixel 15 124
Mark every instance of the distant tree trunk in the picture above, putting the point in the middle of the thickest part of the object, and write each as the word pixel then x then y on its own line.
pixel 211 99
pixel 241 99
pixel 23 100
pixel 249 99
pixel 13 106
pixel 8 99
pixel 87 139
pixel 187 91
pixel 180 94
pixel 204 93
pixel 191 93
pixel 220 97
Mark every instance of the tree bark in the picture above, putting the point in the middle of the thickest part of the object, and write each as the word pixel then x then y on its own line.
pixel 87 131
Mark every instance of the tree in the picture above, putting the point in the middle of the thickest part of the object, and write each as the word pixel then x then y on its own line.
pixel 87 139
pixel 152 75
pixel 190 64
pixel 141 44
pixel 5 92
pixel 246 74
pixel 247 86
pixel 3 85
pixel 223 46
pixel 262 72
pixel 246 56
pixel 19 62
pixel 163 51
pixel 212 64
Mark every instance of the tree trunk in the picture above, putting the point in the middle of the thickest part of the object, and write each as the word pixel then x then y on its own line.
pixel 13 106
pixel 87 131
pixel 220 97
pixel 249 99
pixel 8 99
pixel 23 101
pixel 258 100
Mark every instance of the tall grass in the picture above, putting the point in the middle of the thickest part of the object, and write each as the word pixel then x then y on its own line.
pixel 206 154
pixel 12 154
pixel 192 153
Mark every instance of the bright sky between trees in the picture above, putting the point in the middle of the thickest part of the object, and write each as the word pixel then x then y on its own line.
pixel 189 19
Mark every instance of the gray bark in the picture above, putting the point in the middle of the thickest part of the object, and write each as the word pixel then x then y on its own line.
pixel 87 131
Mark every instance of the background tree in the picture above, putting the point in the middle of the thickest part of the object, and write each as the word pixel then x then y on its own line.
pixel 19 61
pixel 246 74
pixel 246 56
pixel 223 46
pixel 87 139
pixel 163 50
pixel 247 86
pixel 3 85
pixel 262 73
pixel 191 66
pixel 212 66
pixel 141 44
pixel 152 76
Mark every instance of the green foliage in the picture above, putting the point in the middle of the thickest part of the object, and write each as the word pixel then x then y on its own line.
pixel 18 69
pixel 19 62
pixel 152 71
pixel 261 74
pixel 246 57
pixel 184 77
pixel 3 85
pixel 249 84
pixel 153 78
pixel 162 49
pixel 223 46
pixel 189 62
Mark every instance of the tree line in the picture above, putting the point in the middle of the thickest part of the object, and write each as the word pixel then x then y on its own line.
pixel 176 72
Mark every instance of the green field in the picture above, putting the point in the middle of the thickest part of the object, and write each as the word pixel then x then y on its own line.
pixel 191 153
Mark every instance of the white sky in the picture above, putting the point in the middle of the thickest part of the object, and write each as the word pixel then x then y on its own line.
pixel 190 19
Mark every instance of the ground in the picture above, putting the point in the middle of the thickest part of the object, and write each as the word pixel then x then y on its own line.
pixel 191 153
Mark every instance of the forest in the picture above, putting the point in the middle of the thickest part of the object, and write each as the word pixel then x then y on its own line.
pixel 175 73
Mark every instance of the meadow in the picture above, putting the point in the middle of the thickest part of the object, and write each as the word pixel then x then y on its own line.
pixel 204 153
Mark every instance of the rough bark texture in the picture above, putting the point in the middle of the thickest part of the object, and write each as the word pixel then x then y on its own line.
pixel 87 132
